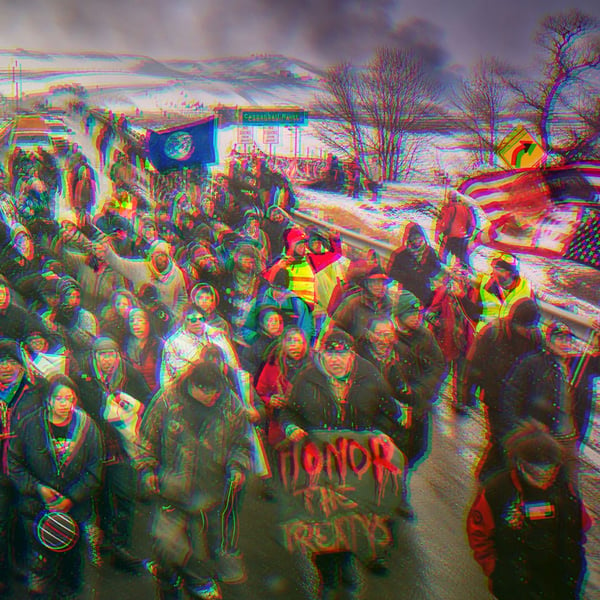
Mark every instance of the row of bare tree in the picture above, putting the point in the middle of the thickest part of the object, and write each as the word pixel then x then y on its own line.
pixel 370 112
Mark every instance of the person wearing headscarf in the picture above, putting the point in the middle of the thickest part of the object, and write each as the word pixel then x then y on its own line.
pixel 182 348
pixel 206 299
pixel 75 324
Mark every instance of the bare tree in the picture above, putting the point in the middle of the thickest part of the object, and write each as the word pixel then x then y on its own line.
pixel 582 139
pixel 570 49
pixel 342 126
pixel 370 112
pixel 482 102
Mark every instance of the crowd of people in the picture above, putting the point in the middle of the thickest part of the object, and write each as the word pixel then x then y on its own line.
pixel 153 349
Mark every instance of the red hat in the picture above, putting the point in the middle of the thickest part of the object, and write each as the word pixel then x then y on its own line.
pixel 294 236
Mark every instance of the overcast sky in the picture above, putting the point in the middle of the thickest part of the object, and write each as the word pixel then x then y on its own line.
pixel 320 31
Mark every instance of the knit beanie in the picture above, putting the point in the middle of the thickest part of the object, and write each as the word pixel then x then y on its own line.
pixel 406 304
pixel 10 349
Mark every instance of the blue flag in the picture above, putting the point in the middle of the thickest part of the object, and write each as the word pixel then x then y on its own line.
pixel 187 145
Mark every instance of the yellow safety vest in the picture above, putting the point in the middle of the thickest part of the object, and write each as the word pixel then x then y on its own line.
pixel 494 307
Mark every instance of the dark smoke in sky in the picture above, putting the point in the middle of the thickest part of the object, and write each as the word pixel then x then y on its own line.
pixel 320 31
pixel 327 30
pixel 324 31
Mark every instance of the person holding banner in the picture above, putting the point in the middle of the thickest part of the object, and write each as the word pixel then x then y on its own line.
pixel 339 391
pixel 55 462
pixel 195 455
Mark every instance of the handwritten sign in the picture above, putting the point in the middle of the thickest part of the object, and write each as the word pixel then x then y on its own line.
pixel 338 491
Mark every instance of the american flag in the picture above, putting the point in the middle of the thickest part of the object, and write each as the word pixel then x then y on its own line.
pixel 552 212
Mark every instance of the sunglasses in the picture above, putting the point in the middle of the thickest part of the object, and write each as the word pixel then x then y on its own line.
pixel 193 319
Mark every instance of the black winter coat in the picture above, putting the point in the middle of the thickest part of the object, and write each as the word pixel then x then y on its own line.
pixel 32 461
pixel 536 389
pixel 369 403
pixel 529 541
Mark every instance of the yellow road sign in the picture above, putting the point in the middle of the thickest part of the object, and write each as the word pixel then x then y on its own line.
pixel 520 150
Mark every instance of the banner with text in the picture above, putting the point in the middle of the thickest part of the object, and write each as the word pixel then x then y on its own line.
pixel 338 490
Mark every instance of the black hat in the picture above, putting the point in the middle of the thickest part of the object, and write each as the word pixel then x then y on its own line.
pixel 148 293
pixel 206 373
pixel 526 313
pixel 10 349
pixel 337 341
pixel 375 272
pixel 533 444
pixel 406 304
pixel 281 278
pixel 506 261
pixel 314 233
pixel 558 329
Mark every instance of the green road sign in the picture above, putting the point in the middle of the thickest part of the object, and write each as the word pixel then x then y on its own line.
pixel 282 116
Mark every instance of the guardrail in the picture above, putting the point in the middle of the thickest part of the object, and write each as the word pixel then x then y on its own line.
pixel 580 325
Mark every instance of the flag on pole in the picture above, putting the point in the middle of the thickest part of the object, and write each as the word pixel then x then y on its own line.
pixel 186 145
pixel 552 212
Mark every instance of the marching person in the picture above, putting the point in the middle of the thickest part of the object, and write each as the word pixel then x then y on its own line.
pixel 527 525
pixel 498 291
pixel 183 347
pixel 194 459
pixel 372 300
pixel 55 462
pixel 490 361
pixel 158 269
pixel 106 376
pixel 454 228
pixel 420 368
pixel 19 396
pixel 340 390
pixel 415 264
pixel 541 388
